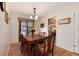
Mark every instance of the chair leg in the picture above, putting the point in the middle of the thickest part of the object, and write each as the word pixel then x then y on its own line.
pixel 33 50
pixel 23 51
pixel 52 53
pixel 53 50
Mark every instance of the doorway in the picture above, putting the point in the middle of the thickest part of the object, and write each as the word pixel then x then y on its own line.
pixel 51 25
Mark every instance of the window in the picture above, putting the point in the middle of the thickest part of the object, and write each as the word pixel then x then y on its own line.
pixel 26 26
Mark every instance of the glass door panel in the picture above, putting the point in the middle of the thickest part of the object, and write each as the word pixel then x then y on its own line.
pixel 23 27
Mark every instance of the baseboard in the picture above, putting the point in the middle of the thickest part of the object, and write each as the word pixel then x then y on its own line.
pixel 64 48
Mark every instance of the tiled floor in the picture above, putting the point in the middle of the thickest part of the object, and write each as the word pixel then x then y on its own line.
pixel 15 51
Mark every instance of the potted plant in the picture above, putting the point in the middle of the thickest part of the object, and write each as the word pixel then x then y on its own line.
pixel 33 30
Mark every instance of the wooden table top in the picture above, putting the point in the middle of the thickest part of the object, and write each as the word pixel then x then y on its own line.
pixel 32 38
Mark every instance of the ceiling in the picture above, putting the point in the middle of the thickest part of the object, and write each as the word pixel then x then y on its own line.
pixel 42 8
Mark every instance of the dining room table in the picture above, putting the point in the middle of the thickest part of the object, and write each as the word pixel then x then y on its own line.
pixel 31 40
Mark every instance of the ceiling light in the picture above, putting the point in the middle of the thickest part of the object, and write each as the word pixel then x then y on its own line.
pixel 35 16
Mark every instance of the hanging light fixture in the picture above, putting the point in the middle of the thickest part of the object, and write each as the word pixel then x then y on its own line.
pixel 35 16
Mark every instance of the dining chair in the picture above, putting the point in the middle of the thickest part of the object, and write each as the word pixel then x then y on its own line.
pixel 45 47
pixel 23 45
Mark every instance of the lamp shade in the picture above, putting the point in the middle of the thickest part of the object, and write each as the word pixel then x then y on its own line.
pixel 34 17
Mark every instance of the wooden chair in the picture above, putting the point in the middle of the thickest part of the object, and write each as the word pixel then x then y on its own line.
pixel 23 45
pixel 22 40
pixel 42 33
pixel 45 48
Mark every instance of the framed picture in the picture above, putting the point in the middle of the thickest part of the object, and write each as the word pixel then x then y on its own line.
pixel 2 6
pixel 64 21
pixel 6 17
pixel 42 25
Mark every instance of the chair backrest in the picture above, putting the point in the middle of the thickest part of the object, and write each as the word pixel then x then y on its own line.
pixel 47 44
pixel 22 39
pixel 42 33
pixel 51 42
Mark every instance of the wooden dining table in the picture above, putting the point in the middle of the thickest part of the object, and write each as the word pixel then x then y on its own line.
pixel 31 40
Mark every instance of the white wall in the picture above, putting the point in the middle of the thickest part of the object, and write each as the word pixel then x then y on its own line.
pixel 4 35
pixel 64 38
